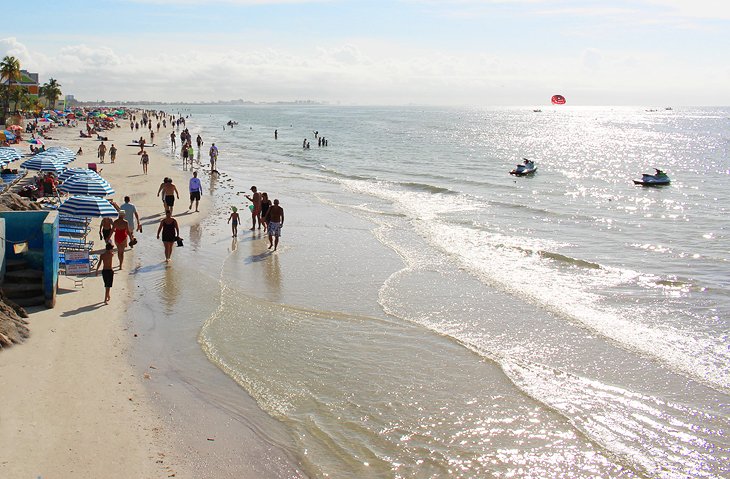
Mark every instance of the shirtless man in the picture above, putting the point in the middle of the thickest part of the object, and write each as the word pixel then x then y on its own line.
pixel 169 193
pixel 105 229
pixel 256 212
pixel 102 152
pixel 121 234
pixel 105 259
pixel 275 219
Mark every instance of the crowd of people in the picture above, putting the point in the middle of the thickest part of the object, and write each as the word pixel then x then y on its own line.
pixel 119 233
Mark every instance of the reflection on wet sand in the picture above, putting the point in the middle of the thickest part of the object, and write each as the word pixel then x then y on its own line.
pixel 170 288
pixel 196 234
pixel 272 276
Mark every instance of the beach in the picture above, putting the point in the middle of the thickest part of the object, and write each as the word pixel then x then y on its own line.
pixel 78 402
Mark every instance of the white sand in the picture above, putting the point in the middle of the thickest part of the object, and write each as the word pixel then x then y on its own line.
pixel 70 403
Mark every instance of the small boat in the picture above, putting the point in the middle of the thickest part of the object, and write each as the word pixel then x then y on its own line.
pixel 537 111
pixel 526 168
pixel 658 179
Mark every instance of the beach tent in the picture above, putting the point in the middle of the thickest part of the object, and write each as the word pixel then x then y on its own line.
pixel 87 206
pixel 87 185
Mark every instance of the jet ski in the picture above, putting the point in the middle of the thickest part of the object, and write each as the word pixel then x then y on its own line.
pixel 526 168
pixel 658 179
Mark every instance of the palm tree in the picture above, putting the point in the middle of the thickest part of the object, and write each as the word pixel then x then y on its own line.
pixel 51 90
pixel 9 74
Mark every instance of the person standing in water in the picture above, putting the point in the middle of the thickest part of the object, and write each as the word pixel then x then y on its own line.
pixel 234 219
pixel 275 219
pixel 213 152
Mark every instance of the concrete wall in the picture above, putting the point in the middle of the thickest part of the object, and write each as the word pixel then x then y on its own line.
pixel 40 230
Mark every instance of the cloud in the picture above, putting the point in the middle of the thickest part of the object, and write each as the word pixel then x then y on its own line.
pixel 12 47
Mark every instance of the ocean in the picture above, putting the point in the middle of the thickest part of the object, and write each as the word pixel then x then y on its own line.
pixel 429 315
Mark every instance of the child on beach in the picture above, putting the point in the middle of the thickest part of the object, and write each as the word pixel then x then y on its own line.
pixel 234 219
pixel 105 259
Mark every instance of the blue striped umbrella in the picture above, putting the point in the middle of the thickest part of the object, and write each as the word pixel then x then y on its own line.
pixel 9 153
pixel 71 172
pixel 87 206
pixel 43 164
pixel 87 185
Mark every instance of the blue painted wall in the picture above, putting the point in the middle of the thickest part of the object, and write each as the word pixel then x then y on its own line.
pixel 40 230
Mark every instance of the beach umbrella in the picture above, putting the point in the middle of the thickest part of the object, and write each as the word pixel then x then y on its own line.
pixel 86 185
pixel 71 172
pixel 87 206
pixel 10 153
pixel 43 164
pixel 71 116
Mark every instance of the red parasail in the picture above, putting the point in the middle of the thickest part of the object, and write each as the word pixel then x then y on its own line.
pixel 558 100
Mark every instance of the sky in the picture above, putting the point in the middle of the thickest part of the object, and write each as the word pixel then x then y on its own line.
pixel 398 52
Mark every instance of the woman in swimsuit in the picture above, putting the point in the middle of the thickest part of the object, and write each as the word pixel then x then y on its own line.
pixel 121 232
pixel 170 231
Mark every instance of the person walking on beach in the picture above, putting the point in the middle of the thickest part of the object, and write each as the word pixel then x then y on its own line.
pixel 145 160
pixel 105 229
pixel 121 233
pixel 170 231
pixel 275 219
pixel 113 153
pixel 172 141
pixel 199 141
pixel 102 152
pixel 265 205
pixel 132 218
pixel 185 153
pixel 196 191
pixel 169 191
pixel 191 154
pixel 256 211
pixel 234 219
pixel 213 152
pixel 105 259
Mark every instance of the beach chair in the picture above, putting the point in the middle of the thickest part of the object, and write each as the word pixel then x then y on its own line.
pixel 66 243
pixel 73 231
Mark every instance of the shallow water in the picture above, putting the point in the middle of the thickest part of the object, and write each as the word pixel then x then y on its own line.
pixel 429 315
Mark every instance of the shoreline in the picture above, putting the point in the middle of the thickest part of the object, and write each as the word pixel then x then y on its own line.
pixel 81 406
